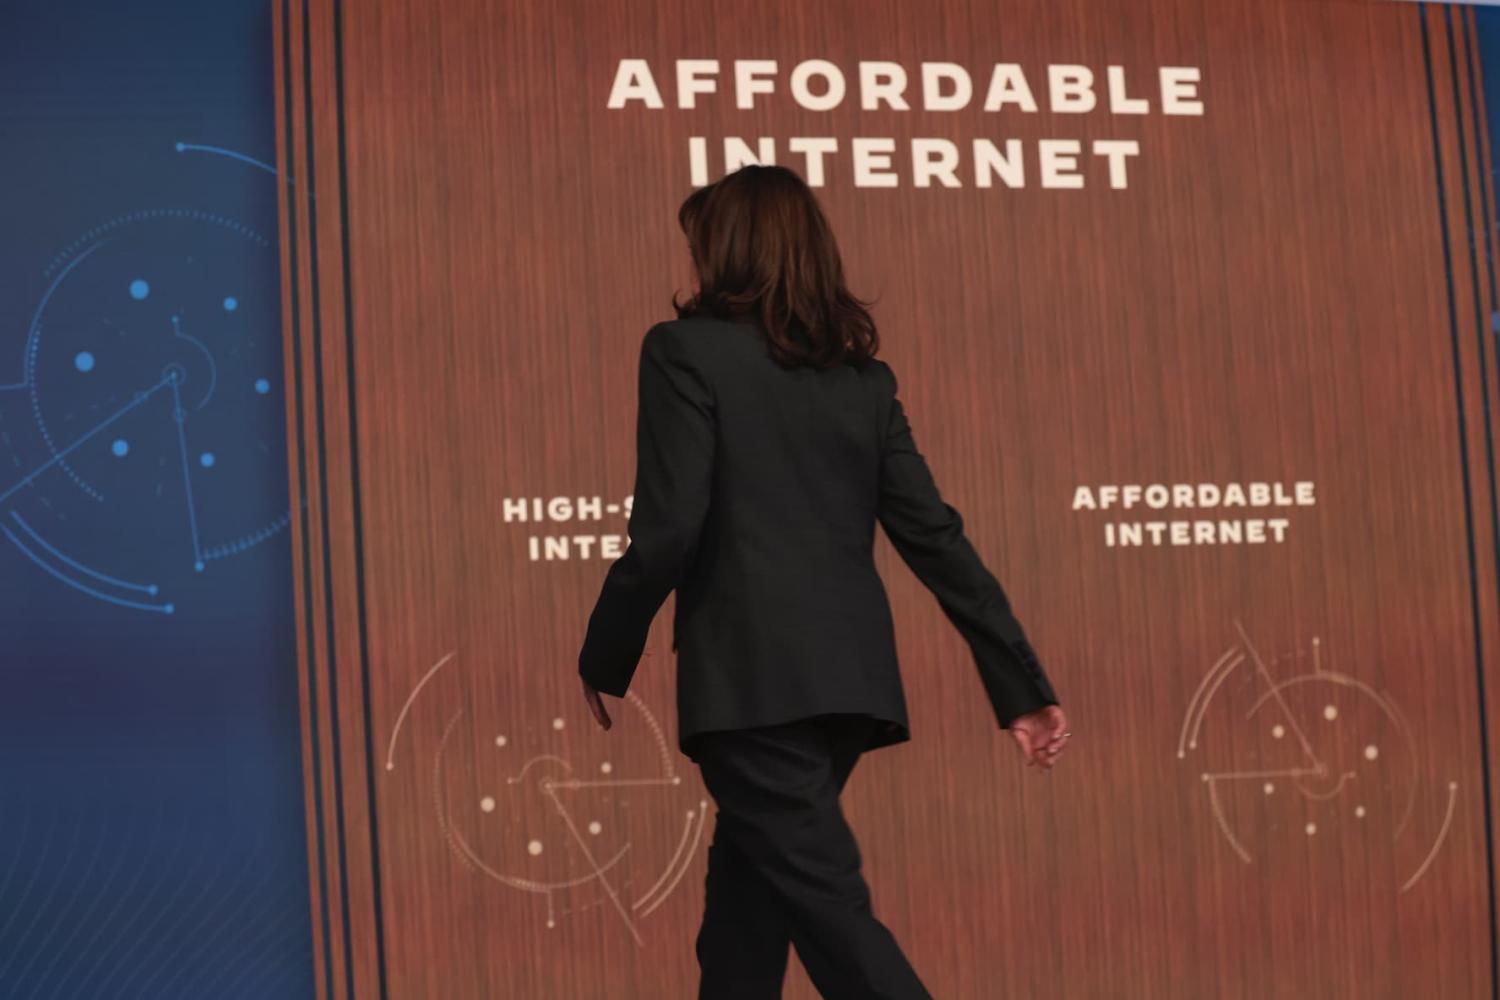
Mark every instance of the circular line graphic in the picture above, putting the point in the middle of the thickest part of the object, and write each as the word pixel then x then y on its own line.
pixel 561 812
pixel 1320 753
pixel 155 440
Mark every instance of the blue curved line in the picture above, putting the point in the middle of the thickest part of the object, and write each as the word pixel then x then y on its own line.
pixel 87 950
pixel 20 852
pixel 254 964
pixel 244 542
pixel 16 908
pixel 247 939
pixel 161 608
pixel 149 957
pixel 157 213
pixel 100 893
pixel 41 306
pixel 66 915
pixel 213 369
pixel 183 147
pixel 131 958
pixel 143 588
pixel 177 963
pixel 15 948
pixel 28 363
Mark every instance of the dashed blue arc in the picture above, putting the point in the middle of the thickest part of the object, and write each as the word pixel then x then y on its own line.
pixel 155 213
pixel 249 541
pixel 28 368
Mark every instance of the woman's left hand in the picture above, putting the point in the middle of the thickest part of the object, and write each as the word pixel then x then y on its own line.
pixel 596 705
pixel 1042 736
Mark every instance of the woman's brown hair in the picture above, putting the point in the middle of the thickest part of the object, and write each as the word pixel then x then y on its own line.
pixel 764 251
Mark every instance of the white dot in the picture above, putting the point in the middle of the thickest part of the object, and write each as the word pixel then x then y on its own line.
pixel 1371 752
pixel 535 847
pixel 1312 828
pixel 1359 811
pixel 557 723
pixel 499 741
pixel 487 804
pixel 1277 731
pixel 1270 788
pixel 606 767
pixel 1330 712
pixel 594 828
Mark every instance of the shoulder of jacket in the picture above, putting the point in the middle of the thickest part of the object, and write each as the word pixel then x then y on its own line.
pixel 708 325
pixel 883 372
pixel 680 353
pixel 695 337
pixel 664 338
pixel 668 341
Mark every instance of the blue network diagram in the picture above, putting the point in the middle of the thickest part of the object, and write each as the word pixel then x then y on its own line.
pixel 143 377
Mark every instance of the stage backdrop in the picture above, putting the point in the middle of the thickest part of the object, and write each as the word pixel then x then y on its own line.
pixel 1191 306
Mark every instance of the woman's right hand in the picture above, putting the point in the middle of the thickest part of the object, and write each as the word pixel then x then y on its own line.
pixel 1041 736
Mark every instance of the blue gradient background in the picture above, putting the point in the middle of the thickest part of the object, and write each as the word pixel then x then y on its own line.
pixel 151 820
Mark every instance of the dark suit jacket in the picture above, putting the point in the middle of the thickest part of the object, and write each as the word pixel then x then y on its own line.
pixel 756 495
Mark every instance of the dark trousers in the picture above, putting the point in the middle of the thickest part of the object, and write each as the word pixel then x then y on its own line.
pixel 784 868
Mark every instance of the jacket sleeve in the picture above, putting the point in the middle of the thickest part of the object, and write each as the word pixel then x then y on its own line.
pixel 673 481
pixel 929 535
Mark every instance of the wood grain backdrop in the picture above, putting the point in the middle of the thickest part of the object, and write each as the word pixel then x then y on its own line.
pixel 1295 286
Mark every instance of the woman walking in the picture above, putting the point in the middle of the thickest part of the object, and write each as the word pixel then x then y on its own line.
pixel 770 441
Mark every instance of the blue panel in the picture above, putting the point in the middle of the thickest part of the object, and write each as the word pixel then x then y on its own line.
pixel 151 821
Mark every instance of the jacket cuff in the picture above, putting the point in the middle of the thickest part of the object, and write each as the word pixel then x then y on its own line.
pixel 1021 691
pixel 602 678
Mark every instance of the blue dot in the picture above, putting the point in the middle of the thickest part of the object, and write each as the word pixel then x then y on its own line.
pixel 181 147
pixel 231 304
pixel 139 289
pixel 198 566
pixel 168 609
pixel 206 459
pixel 83 361
pixel 262 385
pixel 121 447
